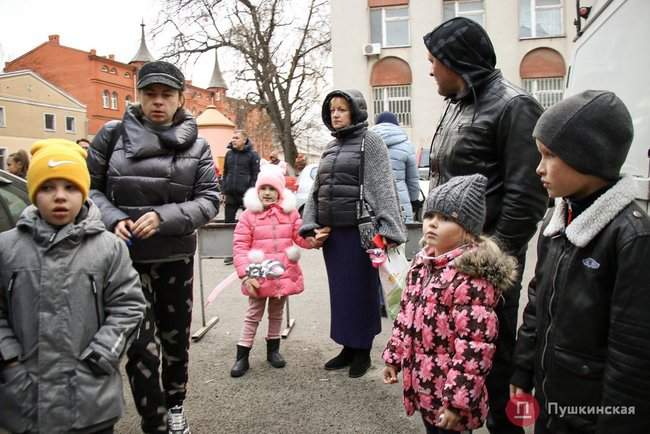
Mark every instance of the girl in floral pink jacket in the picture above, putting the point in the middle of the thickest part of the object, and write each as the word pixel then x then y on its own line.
pixel 444 337
pixel 266 259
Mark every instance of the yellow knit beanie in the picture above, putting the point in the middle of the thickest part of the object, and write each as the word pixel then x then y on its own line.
pixel 57 158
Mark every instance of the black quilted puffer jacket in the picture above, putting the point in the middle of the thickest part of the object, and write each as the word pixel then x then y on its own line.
pixel 170 171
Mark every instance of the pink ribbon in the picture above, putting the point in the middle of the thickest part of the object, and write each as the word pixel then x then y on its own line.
pixel 220 287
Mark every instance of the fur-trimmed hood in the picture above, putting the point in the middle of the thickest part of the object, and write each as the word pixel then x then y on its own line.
pixel 253 203
pixel 599 214
pixel 487 261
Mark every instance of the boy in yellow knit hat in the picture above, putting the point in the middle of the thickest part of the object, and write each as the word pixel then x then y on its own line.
pixel 69 301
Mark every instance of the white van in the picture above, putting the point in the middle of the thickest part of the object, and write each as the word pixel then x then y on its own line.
pixel 612 52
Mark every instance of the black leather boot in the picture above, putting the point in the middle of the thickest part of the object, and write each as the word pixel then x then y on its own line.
pixel 273 353
pixel 241 364
pixel 341 361
pixel 360 363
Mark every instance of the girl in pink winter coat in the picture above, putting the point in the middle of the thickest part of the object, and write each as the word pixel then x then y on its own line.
pixel 266 259
pixel 444 337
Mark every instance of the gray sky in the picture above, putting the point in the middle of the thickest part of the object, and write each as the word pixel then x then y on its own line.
pixel 110 27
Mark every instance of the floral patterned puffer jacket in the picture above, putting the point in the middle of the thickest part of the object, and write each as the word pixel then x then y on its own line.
pixel 444 336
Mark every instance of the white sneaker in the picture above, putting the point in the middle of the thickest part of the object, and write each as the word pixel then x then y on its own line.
pixel 176 421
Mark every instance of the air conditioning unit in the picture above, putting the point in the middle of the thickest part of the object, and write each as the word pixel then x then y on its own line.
pixel 372 49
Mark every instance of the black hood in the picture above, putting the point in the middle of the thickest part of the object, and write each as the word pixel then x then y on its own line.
pixel 358 107
pixel 464 46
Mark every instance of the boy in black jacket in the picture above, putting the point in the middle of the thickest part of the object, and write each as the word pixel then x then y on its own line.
pixel 584 345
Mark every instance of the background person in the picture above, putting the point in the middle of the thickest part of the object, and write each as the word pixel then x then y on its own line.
pixel 154 190
pixel 84 143
pixel 240 169
pixel 18 163
pixel 332 202
pixel 402 160
pixel 487 128
pixel 69 302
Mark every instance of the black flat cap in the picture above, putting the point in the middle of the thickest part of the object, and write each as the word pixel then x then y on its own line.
pixel 160 72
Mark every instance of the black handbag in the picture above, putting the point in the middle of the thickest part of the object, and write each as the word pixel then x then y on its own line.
pixel 366 220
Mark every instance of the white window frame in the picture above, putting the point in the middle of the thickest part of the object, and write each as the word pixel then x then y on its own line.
pixel 466 14
pixel 74 124
pixel 3 117
pixel 114 99
pixel 45 128
pixel 128 100
pixel 547 91
pixel 407 18
pixel 106 99
pixel 402 105
pixel 533 20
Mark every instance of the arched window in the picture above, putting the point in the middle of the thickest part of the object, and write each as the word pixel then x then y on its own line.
pixel 542 72
pixel 104 68
pixel 113 71
pixel 127 100
pixel 114 101
pixel 391 88
pixel 127 75
pixel 106 99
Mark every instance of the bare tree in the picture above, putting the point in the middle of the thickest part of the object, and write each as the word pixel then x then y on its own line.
pixel 281 44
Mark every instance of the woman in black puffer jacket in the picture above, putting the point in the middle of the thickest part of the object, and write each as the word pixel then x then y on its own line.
pixel 155 184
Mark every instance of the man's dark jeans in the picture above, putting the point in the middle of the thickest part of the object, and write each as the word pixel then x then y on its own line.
pixel 233 203
pixel 498 380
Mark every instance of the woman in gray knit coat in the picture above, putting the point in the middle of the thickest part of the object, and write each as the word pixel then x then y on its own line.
pixel 353 282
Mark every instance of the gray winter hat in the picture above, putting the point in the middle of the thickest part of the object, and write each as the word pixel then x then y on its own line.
pixel 461 198
pixel 591 132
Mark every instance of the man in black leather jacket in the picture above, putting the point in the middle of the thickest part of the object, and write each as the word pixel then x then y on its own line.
pixel 487 128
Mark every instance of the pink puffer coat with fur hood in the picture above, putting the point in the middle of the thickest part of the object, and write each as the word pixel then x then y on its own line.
pixel 270 233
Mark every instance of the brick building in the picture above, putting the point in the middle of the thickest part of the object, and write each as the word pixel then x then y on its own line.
pixel 106 85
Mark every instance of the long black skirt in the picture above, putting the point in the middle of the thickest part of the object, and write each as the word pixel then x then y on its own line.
pixel 354 290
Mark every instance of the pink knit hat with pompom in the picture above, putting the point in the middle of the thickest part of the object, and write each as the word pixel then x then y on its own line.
pixel 272 175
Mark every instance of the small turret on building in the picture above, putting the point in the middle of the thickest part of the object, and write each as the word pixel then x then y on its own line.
pixel 143 55
pixel 217 85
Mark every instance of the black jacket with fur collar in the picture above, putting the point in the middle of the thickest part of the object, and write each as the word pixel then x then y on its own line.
pixel 585 340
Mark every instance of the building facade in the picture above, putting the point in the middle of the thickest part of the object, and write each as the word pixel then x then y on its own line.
pixel 106 86
pixel 32 108
pixel 386 59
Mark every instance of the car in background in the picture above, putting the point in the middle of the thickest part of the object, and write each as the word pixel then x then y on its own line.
pixel 305 181
pixel 13 199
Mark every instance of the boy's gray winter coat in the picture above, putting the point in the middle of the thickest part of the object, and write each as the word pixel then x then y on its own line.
pixel 402 160
pixel 64 295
